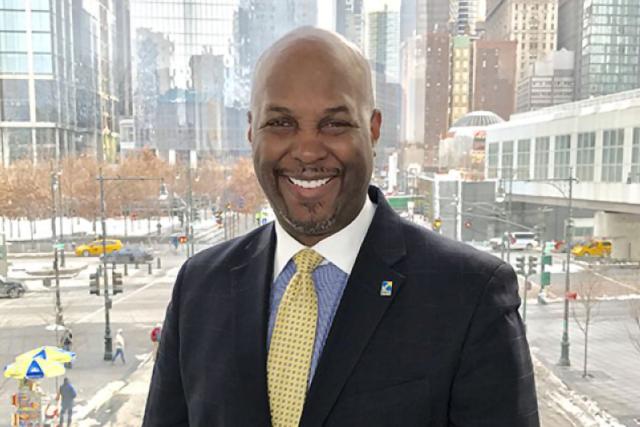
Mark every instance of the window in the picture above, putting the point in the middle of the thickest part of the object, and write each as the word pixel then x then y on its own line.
pixel 41 42
pixel 507 158
pixel 40 21
pixel 42 63
pixel 15 100
pixel 634 175
pixel 561 156
pixel 13 42
pixel 45 144
pixel 13 63
pixel 524 151
pixel 586 156
pixel 541 160
pixel 46 105
pixel 612 143
pixel 12 20
pixel 19 143
pixel 492 161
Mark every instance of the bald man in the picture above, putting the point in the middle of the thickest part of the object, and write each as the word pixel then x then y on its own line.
pixel 339 313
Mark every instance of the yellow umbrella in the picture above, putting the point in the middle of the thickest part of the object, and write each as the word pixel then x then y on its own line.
pixel 48 352
pixel 33 369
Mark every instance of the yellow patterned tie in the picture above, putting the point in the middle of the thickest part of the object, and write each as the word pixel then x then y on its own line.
pixel 292 341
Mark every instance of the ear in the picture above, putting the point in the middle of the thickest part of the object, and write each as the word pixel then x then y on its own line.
pixel 249 133
pixel 376 122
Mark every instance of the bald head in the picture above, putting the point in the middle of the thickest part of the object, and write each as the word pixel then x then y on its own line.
pixel 318 53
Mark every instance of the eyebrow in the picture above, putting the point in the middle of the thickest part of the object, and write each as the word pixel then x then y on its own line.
pixel 285 110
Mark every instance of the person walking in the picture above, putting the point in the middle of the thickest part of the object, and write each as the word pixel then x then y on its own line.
pixel 119 347
pixel 67 342
pixel 155 339
pixel 66 394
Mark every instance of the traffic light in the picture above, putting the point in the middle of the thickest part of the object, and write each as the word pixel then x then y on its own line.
pixel 183 239
pixel 533 264
pixel 467 224
pixel 437 223
pixel 94 284
pixel 218 217
pixel 116 279
pixel 520 265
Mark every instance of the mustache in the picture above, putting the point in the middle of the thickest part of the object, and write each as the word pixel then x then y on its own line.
pixel 309 171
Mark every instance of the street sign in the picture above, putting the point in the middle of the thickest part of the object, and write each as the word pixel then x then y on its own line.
pixel 545 279
pixel 58 246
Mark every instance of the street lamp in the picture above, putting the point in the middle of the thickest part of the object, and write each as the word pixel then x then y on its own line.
pixel 108 348
pixel 55 184
pixel 564 346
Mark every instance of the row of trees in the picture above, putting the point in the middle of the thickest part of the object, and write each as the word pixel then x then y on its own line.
pixel 26 191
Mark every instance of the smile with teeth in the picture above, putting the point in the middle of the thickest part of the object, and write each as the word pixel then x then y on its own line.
pixel 315 183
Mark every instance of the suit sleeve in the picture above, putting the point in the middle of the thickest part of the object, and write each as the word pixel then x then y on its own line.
pixel 166 403
pixel 494 385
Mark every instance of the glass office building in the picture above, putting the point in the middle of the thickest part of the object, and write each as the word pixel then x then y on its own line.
pixel 610 50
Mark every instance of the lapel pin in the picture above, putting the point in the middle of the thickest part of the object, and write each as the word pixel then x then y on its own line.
pixel 385 288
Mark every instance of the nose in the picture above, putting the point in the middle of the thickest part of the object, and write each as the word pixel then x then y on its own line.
pixel 308 146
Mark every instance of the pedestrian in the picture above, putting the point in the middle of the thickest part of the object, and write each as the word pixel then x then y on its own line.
pixel 67 342
pixel 119 347
pixel 155 339
pixel 339 312
pixel 66 394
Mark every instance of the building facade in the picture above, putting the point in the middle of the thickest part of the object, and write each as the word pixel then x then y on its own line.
pixel 532 24
pixel 383 44
pixel 350 21
pixel 413 85
pixel 461 77
pixel 436 104
pixel 494 74
pixel 549 82
pixel 58 84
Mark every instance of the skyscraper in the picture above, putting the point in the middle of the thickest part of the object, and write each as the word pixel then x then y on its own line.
pixel 350 21
pixel 383 43
pixel 436 104
pixel 58 94
pixel 494 84
pixel 610 47
pixel 532 23
pixel 548 82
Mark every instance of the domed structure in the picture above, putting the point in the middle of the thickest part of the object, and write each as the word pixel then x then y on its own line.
pixel 477 119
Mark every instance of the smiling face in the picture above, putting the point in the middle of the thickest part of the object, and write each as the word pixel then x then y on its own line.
pixel 312 133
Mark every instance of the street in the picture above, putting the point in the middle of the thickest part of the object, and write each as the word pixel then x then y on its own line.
pixel 114 394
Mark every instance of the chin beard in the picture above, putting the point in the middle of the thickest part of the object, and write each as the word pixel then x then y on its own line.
pixel 310 228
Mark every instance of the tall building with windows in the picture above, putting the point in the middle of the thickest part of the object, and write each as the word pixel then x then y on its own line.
pixel 350 21
pixel 494 76
pixel 383 43
pixel 461 77
pixel 533 24
pixel 58 95
pixel 548 82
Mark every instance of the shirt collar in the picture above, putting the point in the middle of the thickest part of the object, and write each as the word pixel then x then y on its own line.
pixel 338 248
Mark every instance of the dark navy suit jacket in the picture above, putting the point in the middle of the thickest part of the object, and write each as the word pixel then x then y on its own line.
pixel 447 348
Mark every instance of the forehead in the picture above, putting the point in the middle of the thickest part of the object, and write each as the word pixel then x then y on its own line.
pixel 305 77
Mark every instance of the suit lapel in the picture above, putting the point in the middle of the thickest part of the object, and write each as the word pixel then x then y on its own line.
pixel 360 310
pixel 251 285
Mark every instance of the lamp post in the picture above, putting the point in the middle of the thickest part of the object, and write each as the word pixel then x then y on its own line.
pixel 564 345
pixel 108 347
pixel 56 268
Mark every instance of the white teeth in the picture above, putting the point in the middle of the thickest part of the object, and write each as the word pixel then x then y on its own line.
pixel 310 184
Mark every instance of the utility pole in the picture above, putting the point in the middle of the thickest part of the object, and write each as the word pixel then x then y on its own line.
pixel 564 346
pixel 108 348
pixel 54 238
pixel 62 257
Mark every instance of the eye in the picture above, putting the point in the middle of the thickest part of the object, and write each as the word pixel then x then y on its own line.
pixel 335 126
pixel 281 122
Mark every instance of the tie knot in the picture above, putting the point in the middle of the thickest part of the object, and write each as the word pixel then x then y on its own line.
pixel 307 260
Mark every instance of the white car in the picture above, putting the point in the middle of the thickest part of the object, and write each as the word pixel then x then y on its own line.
pixel 517 240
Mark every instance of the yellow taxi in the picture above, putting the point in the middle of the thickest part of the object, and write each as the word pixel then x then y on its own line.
pixel 95 248
pixel 593 248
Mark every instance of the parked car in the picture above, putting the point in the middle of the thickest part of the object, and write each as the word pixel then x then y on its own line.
pixel 517 240
pixel 95 248
pixel 11 288
pixel 129 255
pixel 593 248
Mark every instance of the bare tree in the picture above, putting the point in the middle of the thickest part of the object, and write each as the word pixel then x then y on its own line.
pixel 587 302
pixel 244 185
